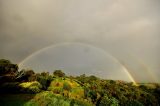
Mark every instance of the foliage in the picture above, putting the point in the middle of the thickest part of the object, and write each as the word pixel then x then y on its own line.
pixel 26 75
pixel 6 67
pixel 134 103
pixel 93 95
pixel 30 87
pixel 83 90
pixel 66 86
pixel 106 101
pixel 16 87
pixel 57 90
pixel 48 99
pixel 45 74
pixel 44 81
pixel 4 61
pixel 58 73
pixel 8 71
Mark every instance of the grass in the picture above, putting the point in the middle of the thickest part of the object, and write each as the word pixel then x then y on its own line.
pixel 15 99
pixel 45 98
pixel 29 84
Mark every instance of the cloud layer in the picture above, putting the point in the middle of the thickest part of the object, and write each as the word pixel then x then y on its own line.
pixel 127 29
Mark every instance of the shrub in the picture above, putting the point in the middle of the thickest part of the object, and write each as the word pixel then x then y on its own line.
pixel 106 101
pixel 57 90
pixel 8 71
pixel 93 95
pixel 6 67
pixel 72 102
pixel 26 75
pixel 75 102
pixel 44 81
pixel 66 86
pixel 58 73
pixel 45 74
pixel 30 87
pixel 134 103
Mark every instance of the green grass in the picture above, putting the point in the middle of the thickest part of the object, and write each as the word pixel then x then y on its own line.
pixel 15 99
pixel 45 98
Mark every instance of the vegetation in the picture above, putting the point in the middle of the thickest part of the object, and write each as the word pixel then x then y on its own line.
pixel 58 73
pixel 27 88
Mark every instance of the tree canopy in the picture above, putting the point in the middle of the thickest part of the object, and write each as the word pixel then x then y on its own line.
pixel 59 73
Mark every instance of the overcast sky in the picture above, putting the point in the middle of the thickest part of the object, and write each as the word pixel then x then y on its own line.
pixel 127 29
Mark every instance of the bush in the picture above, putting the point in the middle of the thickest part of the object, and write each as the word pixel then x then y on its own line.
pixel 8 71
pixel 33 89
pixel 44 81
pixel 6 67
pixel 48 99
pixel 134 103
pixel 57 90
pixel 30 87
pixel 67 86
pixel 106 101
pixel 58 73
pixel 93 95
pixel 26 75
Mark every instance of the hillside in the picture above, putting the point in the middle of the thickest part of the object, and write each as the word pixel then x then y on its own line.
pixel 27 88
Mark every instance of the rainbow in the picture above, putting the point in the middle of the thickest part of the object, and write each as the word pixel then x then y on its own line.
pixel 52 46
pixel 148 70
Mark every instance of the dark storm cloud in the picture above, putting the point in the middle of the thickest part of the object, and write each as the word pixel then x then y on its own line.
pixel 124 28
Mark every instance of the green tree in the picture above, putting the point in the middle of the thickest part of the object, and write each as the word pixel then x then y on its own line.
pixel 26 75
pixel 6 67
pixel 58 73
pixel 44 81
pixel 8 71
pixel 93 78
pixel 106 101
pixel 93 95
pixel 45 74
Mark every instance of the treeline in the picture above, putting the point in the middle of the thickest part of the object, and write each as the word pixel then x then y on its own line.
pixel 95 90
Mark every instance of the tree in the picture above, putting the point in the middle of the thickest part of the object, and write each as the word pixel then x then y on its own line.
pixel 82 78
pixel 8 71
pixel 4 61
pixel 93 95
pixel 93 78
pixel 58 73
pixel 106 101
pixel 26 75
pixel 44 80
pixel 6 67
pixel 45 74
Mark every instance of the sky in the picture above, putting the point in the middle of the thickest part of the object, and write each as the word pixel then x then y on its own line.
pixel 126 29
pixel 76 59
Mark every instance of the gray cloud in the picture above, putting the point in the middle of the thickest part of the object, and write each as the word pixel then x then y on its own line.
pixel 124 28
